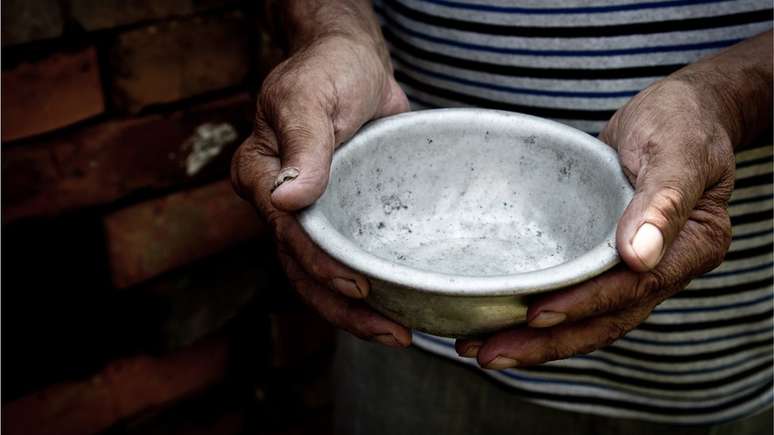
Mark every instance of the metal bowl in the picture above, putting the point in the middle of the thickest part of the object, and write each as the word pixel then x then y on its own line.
pixel 456 215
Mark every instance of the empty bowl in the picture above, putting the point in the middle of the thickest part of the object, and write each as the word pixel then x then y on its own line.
pixel 457 215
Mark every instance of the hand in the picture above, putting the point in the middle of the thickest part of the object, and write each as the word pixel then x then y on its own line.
pixel 676 152
pixel 675 142
pixel 332 84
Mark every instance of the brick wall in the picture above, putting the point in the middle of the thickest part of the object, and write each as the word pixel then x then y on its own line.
pixel 140 294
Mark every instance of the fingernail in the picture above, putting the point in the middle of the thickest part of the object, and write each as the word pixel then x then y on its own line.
pixel 648 244
pixel 471 351
pixel 547 319
pixel 286 174
pixel 502 362
pixel 348 287
pixel 386 339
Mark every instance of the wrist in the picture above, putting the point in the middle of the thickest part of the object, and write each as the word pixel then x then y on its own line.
pixel 734 88
pixel 308 21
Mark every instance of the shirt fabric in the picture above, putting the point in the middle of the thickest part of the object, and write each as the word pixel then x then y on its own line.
pixel 703 356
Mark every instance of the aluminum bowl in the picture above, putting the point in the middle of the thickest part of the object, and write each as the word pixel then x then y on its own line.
pixel 457 215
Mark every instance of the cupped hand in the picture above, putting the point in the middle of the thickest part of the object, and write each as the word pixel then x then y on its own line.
pixel 308 105
pixel 679 157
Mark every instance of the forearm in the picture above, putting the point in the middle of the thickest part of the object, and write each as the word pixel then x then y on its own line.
pixel 738 83
pixel 304 21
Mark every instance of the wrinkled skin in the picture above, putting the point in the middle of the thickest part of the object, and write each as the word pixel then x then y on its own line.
pixel 681 163
pixel 308 105
pixel 675 141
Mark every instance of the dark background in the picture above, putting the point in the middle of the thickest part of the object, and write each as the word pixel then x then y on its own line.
pixel 139 294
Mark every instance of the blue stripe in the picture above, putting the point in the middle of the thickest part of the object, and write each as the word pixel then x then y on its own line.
pixel 694 342
pixel 752 199
pixel 513 374
pixel 416 100
pixel 621 387
pixel 575 10
pixel 766 405
pixel 610 362
pixel 515 90
pixel 712 308
pixel 749 235
pixel 566 53
pixel 736 272
pixel 637 368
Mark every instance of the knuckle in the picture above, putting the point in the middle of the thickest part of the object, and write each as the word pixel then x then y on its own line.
pixel 315 267
pixel 720 234
pixel 553 352
pixel 556 349
pixel 273 92
pixel 603 302
pixel 586 348
pixel 647 284
pixel 671 202
pixel 236 175
pixel 612 331
pixel 278 223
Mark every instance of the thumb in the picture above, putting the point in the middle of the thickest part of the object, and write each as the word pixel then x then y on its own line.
pixel 666 192
pixel 305 141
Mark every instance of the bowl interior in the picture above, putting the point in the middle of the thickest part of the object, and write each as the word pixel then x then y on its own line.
pixel 474 193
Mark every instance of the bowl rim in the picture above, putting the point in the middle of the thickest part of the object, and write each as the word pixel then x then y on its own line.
pixel 593 262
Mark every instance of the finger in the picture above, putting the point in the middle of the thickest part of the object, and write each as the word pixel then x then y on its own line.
pixel 352 316
pixel 528 346
pixel 667 189
pixel 467 348
pixel 303 125
pixel 617 289
pixel 255 165
pixel 254 169
pixel 699 248
pixel 292 238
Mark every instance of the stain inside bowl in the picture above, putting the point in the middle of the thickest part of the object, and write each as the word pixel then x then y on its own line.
pixel 471 202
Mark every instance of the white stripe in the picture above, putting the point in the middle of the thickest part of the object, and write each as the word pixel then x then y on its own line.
pixel 723 415
pixel 507 97
pixel 750 207
pixel 729 280
pixel 607 43
pixel 751 242
pixel 692 349
pixel 752 227
pixel 754 153
pixel 587 126
pixel 623 17
pixel 749 171
pixel 534 83
pixel 739 328
pixel 678 318
pixel 749 192
pixel 716 301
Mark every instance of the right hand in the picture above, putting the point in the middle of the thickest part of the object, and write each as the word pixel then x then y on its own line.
pixel 308 105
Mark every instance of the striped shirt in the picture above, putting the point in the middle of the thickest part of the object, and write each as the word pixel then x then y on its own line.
pixel 703 356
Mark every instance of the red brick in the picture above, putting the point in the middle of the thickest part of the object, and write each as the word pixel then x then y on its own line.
pixel 194 301
pixel 26 21
pixel 179 59
pixel 53 92
pixel 153 237
pixel 123 389
pixel 98 164
pixel 102 14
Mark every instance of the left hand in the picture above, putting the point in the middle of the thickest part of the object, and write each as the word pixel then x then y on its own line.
pixel 676 151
